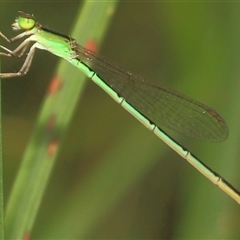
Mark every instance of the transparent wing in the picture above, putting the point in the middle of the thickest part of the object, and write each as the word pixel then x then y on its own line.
pixel 160 105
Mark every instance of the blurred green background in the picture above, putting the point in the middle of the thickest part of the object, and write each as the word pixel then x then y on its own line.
pixel 191 47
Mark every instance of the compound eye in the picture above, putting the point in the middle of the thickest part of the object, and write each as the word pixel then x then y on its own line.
pixel 26 23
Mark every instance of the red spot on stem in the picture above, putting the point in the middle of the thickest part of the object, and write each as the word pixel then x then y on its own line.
pixel 91 45
pixel 26 236
pixel 54 86
pixel 51 123
pixel 52 147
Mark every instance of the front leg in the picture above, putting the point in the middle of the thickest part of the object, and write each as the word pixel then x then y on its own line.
pixel 14 39
pixel 26 65
pixel 18 52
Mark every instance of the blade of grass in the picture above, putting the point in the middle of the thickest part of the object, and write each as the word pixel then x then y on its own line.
pixel 1 174
pixel 1 177
pixel 40 155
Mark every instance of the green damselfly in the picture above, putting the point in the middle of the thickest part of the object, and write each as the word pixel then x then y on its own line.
pixel 151 104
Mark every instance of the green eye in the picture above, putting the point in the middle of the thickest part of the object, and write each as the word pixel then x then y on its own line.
pixel 26 23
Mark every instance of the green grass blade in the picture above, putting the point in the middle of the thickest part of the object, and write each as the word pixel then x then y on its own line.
pixel 40 155
pixel 1 170
pixel 1 174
